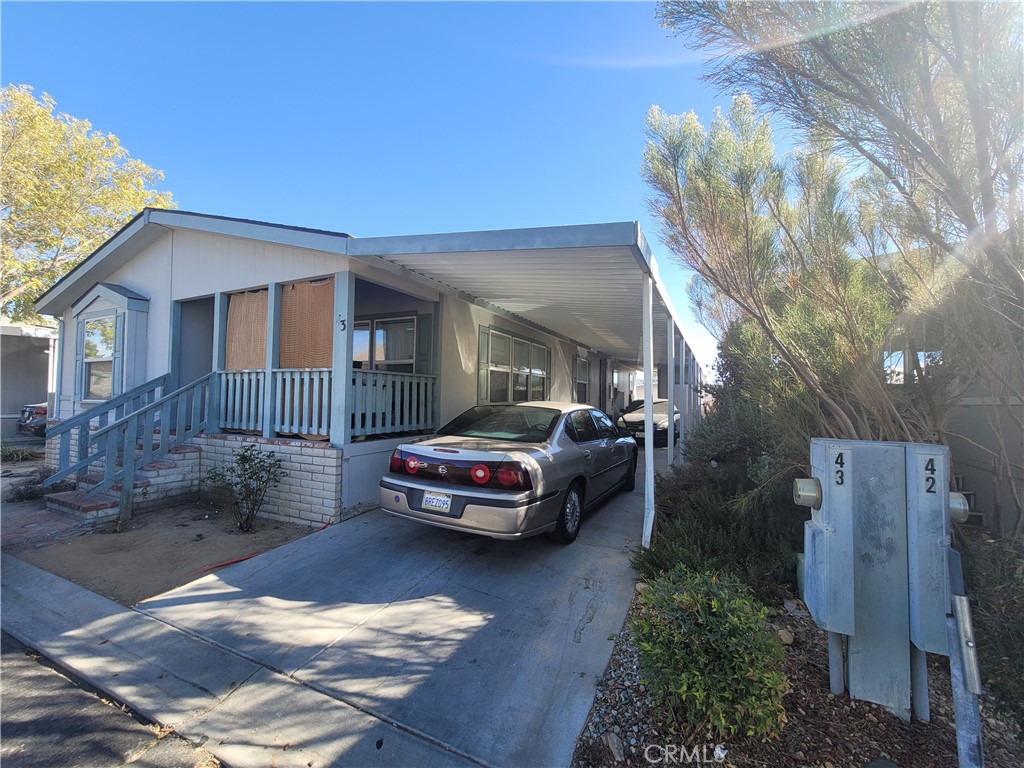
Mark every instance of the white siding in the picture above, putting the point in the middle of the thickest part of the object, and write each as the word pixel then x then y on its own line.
pixel 459 340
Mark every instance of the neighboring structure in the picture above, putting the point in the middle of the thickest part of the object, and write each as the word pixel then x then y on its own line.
pixel 330 350
pixel 26 372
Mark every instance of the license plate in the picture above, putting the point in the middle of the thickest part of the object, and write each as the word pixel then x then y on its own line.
pixel 437 502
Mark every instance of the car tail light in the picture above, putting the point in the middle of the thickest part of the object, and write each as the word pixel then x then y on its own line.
pixel 396 461
pixel 412 464
pixel 480 473
pixel 513 476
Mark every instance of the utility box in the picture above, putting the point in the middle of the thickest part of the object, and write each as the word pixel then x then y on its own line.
pixel 875 563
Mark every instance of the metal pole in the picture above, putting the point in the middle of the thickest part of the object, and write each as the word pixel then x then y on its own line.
pixel 964 675
pixel 671 392
pixel 836 670
pixel 648 360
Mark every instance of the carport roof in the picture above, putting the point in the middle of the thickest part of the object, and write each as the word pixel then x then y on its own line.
pixel 583 283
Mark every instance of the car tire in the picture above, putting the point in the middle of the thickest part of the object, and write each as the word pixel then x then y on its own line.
pixel 567 528
pixel 629 483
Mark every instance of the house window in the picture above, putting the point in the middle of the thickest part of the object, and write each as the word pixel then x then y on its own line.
pixel 385 345
pixel 98 358
pixel 512 369
pixel 581 379
pixel 110 344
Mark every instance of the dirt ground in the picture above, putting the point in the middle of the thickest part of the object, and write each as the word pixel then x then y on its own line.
pixel 162 549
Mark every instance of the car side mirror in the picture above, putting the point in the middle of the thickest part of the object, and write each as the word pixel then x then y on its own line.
pixel 623 432
pixel 622 411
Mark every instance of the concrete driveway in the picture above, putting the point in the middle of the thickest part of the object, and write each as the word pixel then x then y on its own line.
pixel 378 641
pixel 490 650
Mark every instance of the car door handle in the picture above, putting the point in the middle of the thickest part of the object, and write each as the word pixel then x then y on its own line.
pixel 587 455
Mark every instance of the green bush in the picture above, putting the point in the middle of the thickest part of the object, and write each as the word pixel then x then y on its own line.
pixel 994 576
pixel 711 663
pixel 248 478
pixel 701 529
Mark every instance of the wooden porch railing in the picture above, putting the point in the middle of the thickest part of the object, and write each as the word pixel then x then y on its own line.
pixel 77 429
pixel 302 401
pixel 382 402
pixel 160 426
pixel 241 399
pixel 386 402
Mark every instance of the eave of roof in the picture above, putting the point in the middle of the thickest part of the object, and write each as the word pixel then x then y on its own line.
pixel 609 258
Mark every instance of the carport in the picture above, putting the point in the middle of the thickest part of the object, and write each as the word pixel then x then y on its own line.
pixel 596 286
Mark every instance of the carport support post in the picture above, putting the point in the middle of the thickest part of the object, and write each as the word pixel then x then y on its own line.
pixel 670 334
pixel 647 348
pixel 341 358
pixel 683 393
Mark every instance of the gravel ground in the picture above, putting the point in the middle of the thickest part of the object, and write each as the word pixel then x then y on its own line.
pixel 821 729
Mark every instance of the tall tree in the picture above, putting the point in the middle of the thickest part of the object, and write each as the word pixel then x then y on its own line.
pixel 927 98
pixel 65 189
pixel 775 240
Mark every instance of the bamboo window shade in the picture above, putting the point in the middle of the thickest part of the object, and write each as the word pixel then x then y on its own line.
pixel 307 339
pixel 246 336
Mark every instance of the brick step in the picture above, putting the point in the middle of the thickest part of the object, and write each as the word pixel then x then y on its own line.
pixel 164 463
pixel 95 478
pixel 100 506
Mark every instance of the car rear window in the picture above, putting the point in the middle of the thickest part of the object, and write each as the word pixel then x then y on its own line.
pixel 519 423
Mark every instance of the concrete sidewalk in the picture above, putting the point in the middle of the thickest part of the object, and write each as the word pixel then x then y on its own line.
pixel 376 642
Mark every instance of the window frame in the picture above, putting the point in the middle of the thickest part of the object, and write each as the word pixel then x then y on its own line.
pixel 537 370
pixel 84 321
pixel 371 325
pixel 577 361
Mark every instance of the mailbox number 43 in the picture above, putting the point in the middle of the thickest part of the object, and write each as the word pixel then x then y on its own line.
pixel 840 468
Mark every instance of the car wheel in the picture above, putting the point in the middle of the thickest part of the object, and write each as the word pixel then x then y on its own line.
pixel 630 482
pixel 568 526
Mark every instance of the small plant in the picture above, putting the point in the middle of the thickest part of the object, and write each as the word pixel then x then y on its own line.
pixel 248 477
pixel 17 453
pixel 30 486
pixel 994 572
pixel 712 665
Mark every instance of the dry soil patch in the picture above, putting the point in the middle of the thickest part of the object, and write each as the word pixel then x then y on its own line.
pixel 162 549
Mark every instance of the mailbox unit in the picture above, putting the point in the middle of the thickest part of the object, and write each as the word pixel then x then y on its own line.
pixel 876 553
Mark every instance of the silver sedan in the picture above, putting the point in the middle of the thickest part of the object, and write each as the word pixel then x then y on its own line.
pixel 511 471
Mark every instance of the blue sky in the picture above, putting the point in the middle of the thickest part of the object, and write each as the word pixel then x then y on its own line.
pixel 375 118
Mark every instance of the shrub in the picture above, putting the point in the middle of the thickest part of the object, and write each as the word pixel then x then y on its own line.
pixel 701 529
pixel 18 453
pixel 30 486
pixel 711 663
pixel 248 477
pixel 994 576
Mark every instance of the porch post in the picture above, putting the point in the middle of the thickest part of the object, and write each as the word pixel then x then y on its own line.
pixel 671 405
pixel 648 356
pixel 683 394
pixel 220 333
pixel 341 359
pixel 56 369
pixel 174 349
pixel 273 358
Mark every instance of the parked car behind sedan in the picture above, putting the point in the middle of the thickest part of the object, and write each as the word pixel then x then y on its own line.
pixel 632 418
pixel 33 420
pixel 512 471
